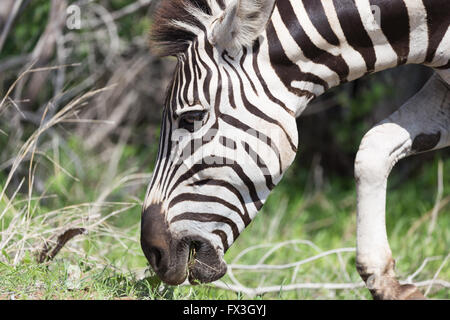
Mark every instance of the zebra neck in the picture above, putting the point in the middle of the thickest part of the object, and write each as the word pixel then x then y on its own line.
pixel 315 45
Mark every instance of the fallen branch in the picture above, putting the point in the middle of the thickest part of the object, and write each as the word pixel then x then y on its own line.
pixel 46 255
pixel 131 8
pixel 260 267
pixel 12 16
pixel 251 292
pixel 238 287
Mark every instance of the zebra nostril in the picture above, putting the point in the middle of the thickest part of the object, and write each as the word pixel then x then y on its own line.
pixel 156 256
pixel 195 245
pixel 155 237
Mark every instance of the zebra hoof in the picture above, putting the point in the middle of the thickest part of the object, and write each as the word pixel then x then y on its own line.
pixel 410 292
pixel 395 291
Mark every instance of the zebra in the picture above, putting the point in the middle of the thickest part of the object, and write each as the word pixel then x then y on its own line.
pixel 245 70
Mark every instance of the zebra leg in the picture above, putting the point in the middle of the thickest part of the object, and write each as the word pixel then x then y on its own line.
pixel 421 124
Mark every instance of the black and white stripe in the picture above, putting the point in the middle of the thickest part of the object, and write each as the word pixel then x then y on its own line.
pixel 249 100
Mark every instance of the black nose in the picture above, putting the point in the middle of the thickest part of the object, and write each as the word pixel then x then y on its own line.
pixel 155 237
pixel 154 256
pixel 166 254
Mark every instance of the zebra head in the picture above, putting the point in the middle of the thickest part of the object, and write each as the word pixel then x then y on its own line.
pixel 225 141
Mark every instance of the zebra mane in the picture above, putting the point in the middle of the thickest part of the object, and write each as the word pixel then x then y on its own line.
pixel 178 22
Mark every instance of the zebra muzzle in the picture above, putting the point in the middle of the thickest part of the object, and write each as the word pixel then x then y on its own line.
pixel 205 263
pixel 174 258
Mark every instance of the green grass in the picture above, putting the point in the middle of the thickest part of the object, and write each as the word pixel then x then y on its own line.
pixel 66 186
pixel 112 265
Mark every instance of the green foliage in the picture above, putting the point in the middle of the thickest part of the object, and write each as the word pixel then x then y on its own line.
pixel 28 29
pixel 326 218
pixel 357 111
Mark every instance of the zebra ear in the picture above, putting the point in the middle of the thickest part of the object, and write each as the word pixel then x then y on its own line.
pixel 240 24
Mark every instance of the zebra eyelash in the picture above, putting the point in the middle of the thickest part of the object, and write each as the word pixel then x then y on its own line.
pixel 189 119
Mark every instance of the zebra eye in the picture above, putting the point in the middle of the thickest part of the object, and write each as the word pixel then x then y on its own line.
pixel 188 120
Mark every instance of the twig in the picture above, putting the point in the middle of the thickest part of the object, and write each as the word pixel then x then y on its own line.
pixel 17 107
pixel 112 30
pixel 261 267
pixel 285 243
pixel 12 62
pixel 12 15
pixel 314 286
pixel 129 9
pixel 9 204
pixel 63 238
pixel 31 70
pixel 436 274
pixel 60 115
pixel 422 266
pixel 440 191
